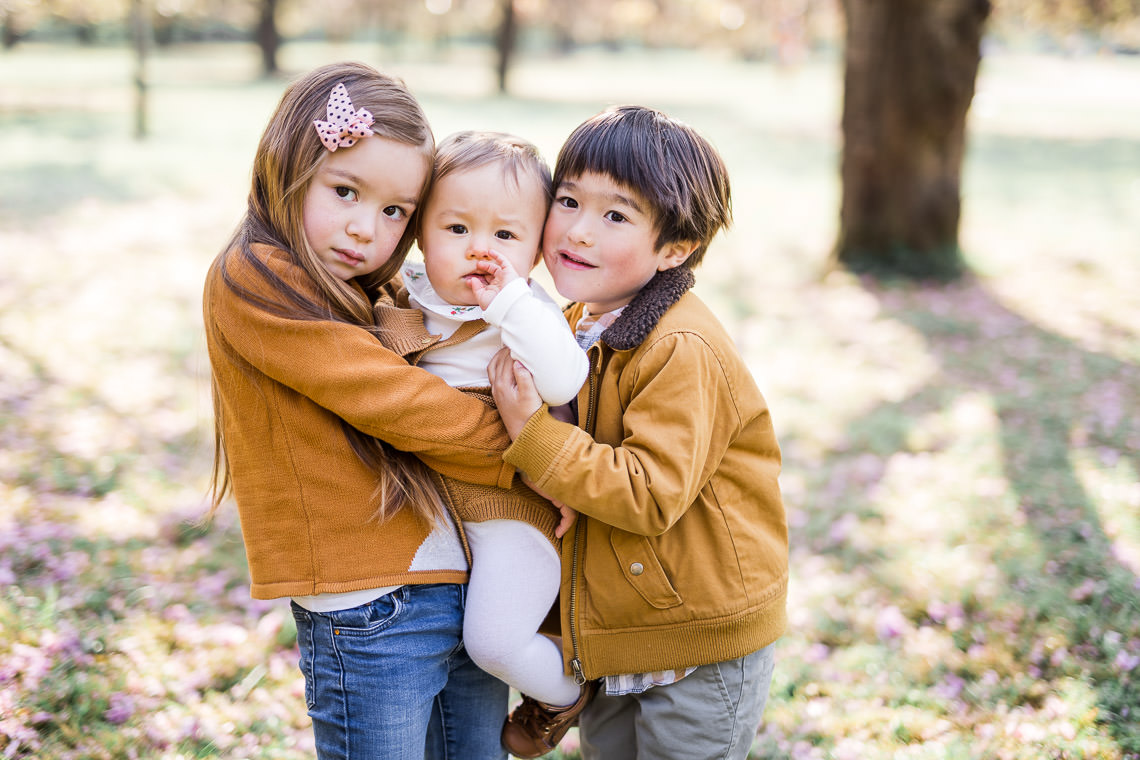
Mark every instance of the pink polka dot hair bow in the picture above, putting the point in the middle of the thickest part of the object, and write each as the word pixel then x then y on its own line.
pixel 344 126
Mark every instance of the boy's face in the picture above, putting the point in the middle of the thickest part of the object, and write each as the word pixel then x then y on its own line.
pixel 472 211
pixel 599 243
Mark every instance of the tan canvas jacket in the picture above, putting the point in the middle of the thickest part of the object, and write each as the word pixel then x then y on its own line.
pixel 680 554
pixel 303 496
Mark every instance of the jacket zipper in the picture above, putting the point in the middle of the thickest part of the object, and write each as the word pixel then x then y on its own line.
pixel 576 662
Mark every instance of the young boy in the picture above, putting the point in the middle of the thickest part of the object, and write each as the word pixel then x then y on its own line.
pixel 674 576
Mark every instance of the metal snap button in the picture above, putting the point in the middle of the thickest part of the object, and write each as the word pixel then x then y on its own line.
pixel 636 568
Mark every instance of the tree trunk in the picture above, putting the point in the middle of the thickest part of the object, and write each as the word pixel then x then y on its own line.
pixel 268 38
pixel 911 66
pixel 140 33
pixel 11 34
pixel 505 42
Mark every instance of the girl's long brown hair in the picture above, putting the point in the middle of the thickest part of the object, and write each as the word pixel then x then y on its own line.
pixel 287 158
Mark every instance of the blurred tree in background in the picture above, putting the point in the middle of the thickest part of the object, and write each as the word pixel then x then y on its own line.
pixel 783 30
pixel 909 80
pixel 910 67
pixel 267 36
pixel 505 41
pixel 910 72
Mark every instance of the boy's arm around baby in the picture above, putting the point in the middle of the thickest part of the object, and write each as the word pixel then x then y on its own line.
pixel 677 416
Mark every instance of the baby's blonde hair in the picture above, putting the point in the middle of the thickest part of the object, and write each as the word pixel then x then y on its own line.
pixel 471 149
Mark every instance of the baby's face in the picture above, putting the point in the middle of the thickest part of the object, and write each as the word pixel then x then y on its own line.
pixel 473 211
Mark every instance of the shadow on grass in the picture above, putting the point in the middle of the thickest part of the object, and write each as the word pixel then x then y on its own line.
pixel 1053 401
pixel 49 189
pixel 1036 163
pixel 63 169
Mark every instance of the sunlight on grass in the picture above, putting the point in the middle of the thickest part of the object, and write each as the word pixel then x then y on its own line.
pixel 1116 484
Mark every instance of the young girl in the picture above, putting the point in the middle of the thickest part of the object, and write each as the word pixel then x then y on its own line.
pixel 312 414
pixel 479 230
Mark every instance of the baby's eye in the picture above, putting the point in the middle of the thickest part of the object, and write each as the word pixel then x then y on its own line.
pixel 458 229
pixel 345 192
pixel 615 216
pixel 567 201
pixel 506 235
pixel 395 212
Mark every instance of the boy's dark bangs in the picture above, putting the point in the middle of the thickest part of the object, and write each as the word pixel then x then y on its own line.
pixel 619 148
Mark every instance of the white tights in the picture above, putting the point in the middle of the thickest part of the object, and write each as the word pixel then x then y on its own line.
pixel 515 573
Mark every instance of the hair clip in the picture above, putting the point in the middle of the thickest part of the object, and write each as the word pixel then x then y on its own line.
pixel 344 126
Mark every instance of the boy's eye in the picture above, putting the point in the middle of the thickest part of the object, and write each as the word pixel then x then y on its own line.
pixel 458 229
pixel 615 216
pixel 345 192
pixel 505 235
pixel 395 212
pixel 567 201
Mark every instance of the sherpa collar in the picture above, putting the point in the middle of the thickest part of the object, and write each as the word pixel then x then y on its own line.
pixel 647 308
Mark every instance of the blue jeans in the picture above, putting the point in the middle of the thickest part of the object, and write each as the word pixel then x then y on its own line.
pixel 390 679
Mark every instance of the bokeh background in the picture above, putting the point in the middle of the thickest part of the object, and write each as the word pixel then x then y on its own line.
pixel 962 456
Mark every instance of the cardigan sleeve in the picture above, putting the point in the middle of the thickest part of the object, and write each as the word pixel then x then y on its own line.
pixel 346 370
pixel 679 418
pixel 537 334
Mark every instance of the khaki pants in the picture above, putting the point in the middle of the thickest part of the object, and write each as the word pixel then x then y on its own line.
pixel 714 712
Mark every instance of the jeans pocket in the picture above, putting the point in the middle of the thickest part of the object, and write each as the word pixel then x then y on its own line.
pixel 370 618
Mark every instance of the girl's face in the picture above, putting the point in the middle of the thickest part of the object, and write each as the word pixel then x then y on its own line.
pixel 358 204
pixel 473 211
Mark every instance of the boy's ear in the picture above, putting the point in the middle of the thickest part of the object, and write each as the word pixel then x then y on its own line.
pixel 675 254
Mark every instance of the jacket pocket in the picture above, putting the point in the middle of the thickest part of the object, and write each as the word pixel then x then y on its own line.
pixel 643 570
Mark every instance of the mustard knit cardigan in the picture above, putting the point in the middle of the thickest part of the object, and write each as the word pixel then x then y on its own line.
pixel 303 496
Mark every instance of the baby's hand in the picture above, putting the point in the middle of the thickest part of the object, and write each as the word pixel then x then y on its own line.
pixel 500 273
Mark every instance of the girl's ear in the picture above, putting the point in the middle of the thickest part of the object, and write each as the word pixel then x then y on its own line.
pixel 675 254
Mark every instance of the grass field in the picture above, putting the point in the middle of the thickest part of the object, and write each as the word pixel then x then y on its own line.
pixel 962 464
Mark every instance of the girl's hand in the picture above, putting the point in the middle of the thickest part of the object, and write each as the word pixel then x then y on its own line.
pixel 569 515
pixel 513 388
pixel 500 273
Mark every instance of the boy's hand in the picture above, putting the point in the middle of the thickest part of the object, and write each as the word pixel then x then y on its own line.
pixel 500 273
pixel 514 391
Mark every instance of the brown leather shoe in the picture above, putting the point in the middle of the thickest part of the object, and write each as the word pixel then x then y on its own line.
pixel 535 728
